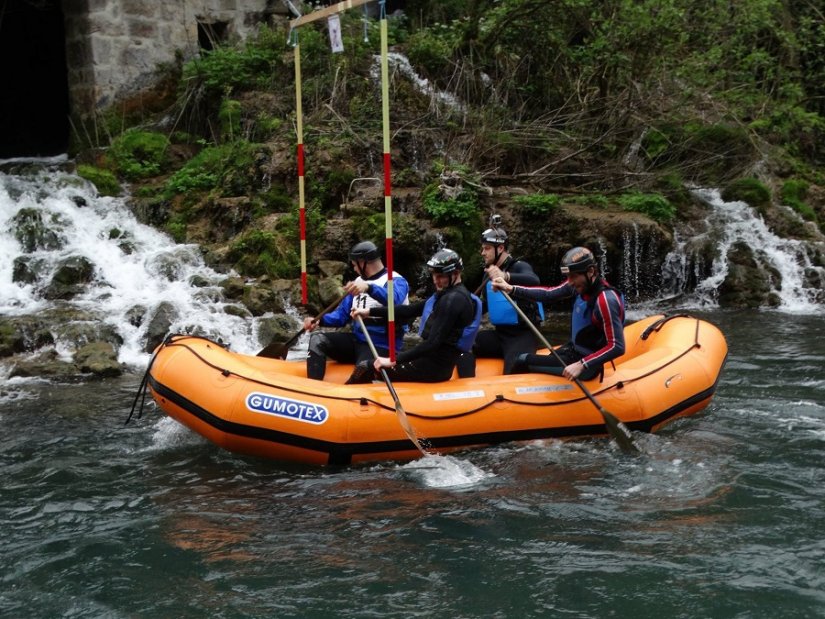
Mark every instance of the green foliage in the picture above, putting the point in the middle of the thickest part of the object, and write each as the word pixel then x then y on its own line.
pixel 793 193
pixel 430 50
pixel 538 203
pixel 749 190
pixel 594 200
pixel 260 252
pixel 225 70
pixel 462 209
pixel 229 168
pixel 229 117
pixel 139 154
pixel 654 205
pixel 104 180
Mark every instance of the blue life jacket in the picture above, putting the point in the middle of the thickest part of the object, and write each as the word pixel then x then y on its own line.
pixel 468 334
pixel 501 312
pixel 583 319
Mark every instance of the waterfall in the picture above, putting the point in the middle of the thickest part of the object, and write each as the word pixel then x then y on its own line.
pixel 699 263
pixel 50 217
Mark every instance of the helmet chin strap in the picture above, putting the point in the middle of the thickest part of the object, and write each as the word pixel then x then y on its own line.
pixel 592 280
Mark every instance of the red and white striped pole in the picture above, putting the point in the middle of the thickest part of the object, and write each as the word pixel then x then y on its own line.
pixel 385 98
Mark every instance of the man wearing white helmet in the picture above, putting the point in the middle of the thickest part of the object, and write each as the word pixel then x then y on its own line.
pixel 510 336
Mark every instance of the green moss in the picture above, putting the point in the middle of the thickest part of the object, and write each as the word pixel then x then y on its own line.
pixel 139 154
pixel 748 190
pixel 104 180
pixel 229 169
pixel 654 205
pixel 794 192
pixel 538 203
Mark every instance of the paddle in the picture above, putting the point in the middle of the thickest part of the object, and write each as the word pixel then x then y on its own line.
pixel 616 429
pixel 399 410
pixel 279 350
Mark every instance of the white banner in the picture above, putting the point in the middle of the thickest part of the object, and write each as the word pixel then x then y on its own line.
pixel 335 40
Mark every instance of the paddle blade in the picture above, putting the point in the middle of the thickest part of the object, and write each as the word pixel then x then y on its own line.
pixel 275 350
pixel 619 432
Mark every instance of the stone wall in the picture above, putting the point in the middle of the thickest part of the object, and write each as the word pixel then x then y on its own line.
pixel 114 47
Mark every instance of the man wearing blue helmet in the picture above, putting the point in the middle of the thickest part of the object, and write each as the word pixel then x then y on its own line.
pixel 449 322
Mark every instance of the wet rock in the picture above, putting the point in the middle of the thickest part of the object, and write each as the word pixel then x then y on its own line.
pixel 70 278
pixel 11 341
pixel 233 287
pixel 329 289
pixel 99 359
pixel 261 299
pixel 26 270
pixel 237 310
pixel 277 328
pixel 46 364
pixel 332 268
pixel 135 315
pixel 33 233
pixel 159 325
pixel 746 284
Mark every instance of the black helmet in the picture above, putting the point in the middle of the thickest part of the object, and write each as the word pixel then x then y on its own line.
pixel 365 250
pixel 577 260
pixel 445 261
pixel 494 236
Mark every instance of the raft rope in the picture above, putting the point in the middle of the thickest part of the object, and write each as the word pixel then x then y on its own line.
pixel 177 340
pixel 144 382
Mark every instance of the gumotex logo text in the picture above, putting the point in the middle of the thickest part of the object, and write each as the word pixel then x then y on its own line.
pixel 286 407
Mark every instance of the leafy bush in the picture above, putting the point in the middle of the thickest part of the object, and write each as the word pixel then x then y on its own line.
pixel 538 203
pixel 748 190
pixel 104 180
pixel 139 154
pixel 793 194
pixel 229 167
pixel 225 70
pixel 654 205
pixel 463 209
pixel 229 117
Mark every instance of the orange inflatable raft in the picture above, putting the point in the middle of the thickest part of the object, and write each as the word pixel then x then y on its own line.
pixel 267 407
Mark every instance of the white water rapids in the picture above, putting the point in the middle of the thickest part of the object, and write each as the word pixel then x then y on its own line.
pixel 136 267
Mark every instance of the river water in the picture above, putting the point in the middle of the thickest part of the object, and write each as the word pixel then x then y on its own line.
pixel 721 516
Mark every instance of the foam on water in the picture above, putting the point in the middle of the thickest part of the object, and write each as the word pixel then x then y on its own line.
pixel 136 268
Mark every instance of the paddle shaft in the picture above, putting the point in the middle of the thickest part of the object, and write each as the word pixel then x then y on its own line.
pixel 616 428
pixel 279 349
pixel 402 415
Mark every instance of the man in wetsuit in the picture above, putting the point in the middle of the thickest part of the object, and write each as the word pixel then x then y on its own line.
pixel 597 323
pixel 449 322
pixel 367 290
pixel 510 336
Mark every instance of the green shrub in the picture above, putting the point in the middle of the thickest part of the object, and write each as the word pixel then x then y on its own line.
pixel 229 117
pixel 104 180
pixel 463 209
pixel 225 70
pixel 538 203
pixel 139 154
pixel 793 194
pixel 748 190
pixel 654 205
pixel 230 168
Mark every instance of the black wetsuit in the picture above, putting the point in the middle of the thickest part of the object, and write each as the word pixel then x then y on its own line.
pixel 506 341
pixel 434 359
